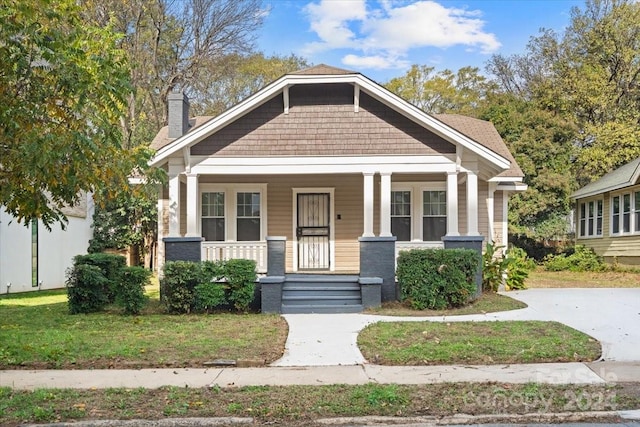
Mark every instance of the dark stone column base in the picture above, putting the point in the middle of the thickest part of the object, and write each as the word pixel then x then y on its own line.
pixel 378 259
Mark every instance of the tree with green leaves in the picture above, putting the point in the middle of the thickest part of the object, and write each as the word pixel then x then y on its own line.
pixel 63 88
pixel 570 108
pixel 444 91
pixel 127 220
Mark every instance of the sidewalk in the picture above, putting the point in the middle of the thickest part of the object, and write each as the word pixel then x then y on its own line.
pixel 550 373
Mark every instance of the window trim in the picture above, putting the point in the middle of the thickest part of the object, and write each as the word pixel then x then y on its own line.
pixel 417 190
pixel 412 225
pixel 634 228
pixel 586 203
pixel 231 191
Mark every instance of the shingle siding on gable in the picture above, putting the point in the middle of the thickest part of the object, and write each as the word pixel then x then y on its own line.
pixel 322 122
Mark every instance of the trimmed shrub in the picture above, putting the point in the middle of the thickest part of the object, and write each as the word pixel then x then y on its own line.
pixel 86 286
pixel 437 278
pixel 240 275
pixel 188 286
pixel 582 259
pixel 111 266
pixel 210 296
pixel 177 286
pixel 130 291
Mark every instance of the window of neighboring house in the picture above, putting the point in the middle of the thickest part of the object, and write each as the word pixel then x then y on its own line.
pixel 248 216
pixel 401 215
pixel 636 211
pixel 615 215
pixel 434 215
pixel 213 216
pixel 34 254
pixel 591 218
pixel 626 213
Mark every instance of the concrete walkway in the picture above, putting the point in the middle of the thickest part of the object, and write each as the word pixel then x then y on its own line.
pixel 549 373
pixel 612 316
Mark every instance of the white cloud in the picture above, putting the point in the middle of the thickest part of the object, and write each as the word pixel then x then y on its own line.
pixel 382 33
pixel 376 62
pixel 330 21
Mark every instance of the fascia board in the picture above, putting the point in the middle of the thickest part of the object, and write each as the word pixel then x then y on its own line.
pixel 577 195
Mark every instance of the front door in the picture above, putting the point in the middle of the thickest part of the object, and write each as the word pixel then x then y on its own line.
pixel 313 231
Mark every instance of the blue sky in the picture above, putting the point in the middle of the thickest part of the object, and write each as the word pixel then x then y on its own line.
pixel 383 38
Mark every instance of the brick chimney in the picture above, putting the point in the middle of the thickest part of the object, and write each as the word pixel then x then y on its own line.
pixel 178 114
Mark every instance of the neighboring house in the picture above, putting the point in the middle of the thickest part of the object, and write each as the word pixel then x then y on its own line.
pixel 331 163
pixel 33 258
pixel 608 215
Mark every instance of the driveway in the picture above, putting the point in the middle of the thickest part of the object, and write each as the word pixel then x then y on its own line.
pixel 612 316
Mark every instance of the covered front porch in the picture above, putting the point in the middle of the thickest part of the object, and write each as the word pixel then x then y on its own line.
pixel 322 208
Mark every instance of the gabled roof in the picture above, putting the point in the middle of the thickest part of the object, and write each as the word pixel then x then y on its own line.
pixel 486 134
pixel 622 177
pixel 322 69
pixel 321 74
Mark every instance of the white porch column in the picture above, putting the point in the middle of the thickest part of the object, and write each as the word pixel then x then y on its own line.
pixel 472 204
pixel 491 210
pixel 192 205
pixel 505 219
pixel 174 199
pixel 452 204
pixel 385 204
pixel 368 204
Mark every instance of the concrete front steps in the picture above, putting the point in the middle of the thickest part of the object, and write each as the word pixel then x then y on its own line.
pixel 320 293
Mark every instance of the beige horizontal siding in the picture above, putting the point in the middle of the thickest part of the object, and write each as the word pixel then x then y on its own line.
pixel 624 249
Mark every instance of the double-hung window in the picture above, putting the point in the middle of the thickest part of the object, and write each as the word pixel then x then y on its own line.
pixel 636 211
pixel 434 215
pixel 401 215
pixel 419 211
pixel 233 212
pixel 213 216
pixel 248 216
pixel 625 213
pixel 591 218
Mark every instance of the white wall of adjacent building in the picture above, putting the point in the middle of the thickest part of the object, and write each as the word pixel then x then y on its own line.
pixel 55 249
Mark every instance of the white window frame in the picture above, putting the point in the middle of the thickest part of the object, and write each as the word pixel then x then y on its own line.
pixel 412 203
pixel 595 233
pixel 417 202
pixel 634 227
pixel 230 204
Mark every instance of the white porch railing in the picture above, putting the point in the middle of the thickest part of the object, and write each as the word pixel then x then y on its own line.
pixel 217 251
pixel 406 246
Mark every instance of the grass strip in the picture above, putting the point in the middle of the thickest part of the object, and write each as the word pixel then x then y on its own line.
pixel 300 405
pixel 437 343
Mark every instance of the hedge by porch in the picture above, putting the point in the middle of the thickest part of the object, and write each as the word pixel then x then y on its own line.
pixel 188 286
pixel 437 278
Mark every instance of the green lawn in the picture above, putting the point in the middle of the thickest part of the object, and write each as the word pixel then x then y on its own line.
pixel 302 405
pixel 540 278
pixel 37 331
pixel 488 302
pixel 437 343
